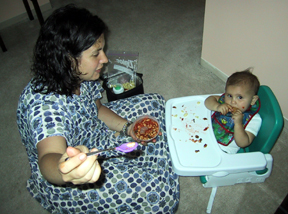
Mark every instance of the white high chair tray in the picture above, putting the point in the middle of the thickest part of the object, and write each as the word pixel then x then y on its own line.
pixel 193 147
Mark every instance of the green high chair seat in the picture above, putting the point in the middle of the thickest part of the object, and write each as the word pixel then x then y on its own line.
pixel 272 122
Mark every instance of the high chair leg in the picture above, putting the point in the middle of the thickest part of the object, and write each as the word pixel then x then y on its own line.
pixel 211 199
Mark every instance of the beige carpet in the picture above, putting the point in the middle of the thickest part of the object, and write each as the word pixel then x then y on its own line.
pixel 168 36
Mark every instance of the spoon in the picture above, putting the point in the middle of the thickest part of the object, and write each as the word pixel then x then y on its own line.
pixel 125 147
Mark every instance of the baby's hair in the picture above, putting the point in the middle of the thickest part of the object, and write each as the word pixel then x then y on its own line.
pixel 244 78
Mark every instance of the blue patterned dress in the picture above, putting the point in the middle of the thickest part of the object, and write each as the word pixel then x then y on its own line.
pixel 145 184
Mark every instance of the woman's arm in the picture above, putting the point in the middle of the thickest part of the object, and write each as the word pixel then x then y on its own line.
pixel 114 121
pixel 79 169
pixel 111 119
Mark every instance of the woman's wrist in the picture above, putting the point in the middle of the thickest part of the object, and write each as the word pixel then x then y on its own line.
pixel 125 128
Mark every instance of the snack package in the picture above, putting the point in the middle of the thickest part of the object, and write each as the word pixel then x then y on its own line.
pixel 122 67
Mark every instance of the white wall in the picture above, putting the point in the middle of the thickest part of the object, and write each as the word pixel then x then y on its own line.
pixel 240 34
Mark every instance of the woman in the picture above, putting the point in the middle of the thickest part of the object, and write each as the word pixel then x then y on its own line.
pixel 60 116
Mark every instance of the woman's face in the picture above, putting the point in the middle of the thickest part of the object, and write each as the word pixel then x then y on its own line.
pixel 92 60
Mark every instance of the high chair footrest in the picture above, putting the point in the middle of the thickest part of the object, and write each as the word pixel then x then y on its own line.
pixel 236 178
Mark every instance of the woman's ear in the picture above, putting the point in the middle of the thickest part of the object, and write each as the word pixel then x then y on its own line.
pixel 254 99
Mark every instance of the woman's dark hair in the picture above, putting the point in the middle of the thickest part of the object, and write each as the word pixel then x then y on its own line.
pixel 66 33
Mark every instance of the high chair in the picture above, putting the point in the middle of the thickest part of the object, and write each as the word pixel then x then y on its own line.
pixel 252 164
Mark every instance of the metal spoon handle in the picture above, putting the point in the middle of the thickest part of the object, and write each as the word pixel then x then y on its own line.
pixel 95 153
pixel 99 151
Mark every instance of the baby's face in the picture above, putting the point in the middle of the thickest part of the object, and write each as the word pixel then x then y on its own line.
pixel 240 96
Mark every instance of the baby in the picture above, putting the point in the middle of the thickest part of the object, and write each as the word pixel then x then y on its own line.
pixel 236 120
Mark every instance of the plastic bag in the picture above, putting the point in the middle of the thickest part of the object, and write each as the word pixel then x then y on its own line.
pixel 122 67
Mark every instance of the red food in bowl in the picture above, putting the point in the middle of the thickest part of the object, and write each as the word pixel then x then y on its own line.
pixel 146 128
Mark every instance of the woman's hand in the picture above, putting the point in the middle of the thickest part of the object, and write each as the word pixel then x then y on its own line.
pixel 79 168
pixel 130 132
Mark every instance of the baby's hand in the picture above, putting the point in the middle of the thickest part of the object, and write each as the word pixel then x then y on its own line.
pixel 224 108
pixel 237 116
pixel 79 169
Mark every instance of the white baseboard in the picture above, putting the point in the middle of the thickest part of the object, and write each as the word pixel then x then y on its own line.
pixel 24 15
pixel 214 70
